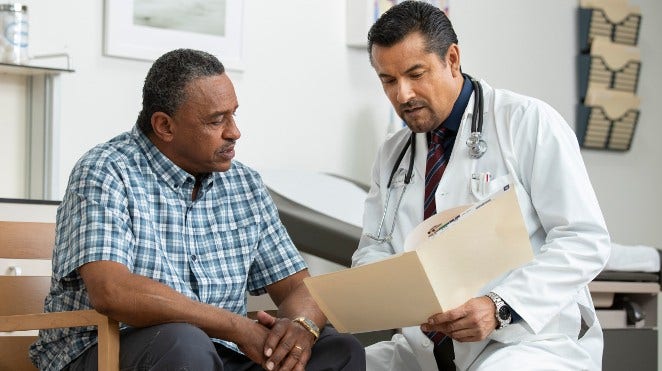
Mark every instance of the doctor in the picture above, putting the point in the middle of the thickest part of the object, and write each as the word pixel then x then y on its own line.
pixel 537 317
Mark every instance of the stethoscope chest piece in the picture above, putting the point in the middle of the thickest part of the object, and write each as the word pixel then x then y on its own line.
pixel 477 145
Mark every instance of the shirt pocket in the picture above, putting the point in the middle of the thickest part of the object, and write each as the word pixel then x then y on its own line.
pixel 234 245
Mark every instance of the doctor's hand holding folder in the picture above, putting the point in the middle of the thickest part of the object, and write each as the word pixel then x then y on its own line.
pixel 449 258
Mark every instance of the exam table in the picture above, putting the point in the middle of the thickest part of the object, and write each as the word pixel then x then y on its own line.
pixel 319 232
pixel 624 294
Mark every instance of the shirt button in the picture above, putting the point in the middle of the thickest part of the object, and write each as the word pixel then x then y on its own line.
pixel 194 258
pixel 426 343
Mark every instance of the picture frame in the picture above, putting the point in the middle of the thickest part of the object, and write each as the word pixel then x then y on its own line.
pixel 362 14
pixel 130 34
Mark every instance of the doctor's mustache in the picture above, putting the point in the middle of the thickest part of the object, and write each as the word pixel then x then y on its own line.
pixel 412 104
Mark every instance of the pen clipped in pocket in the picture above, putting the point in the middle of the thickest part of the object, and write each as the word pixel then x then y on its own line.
pixel 485 184
pixel 480 184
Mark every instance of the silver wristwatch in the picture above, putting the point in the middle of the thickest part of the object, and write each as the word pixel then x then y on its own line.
pixel 503 314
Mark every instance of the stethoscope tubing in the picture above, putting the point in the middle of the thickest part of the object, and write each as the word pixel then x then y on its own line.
pixel 477 119
pixel 410 170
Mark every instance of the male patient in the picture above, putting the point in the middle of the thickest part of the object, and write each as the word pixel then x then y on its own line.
pixel 160 230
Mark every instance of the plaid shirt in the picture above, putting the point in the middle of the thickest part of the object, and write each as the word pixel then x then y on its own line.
pixel 128 203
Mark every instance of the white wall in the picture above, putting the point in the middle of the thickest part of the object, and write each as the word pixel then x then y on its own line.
pixel 12 139
pixel 308 101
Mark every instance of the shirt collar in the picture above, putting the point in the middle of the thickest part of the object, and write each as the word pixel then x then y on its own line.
pixel 455 118
pixel 171 174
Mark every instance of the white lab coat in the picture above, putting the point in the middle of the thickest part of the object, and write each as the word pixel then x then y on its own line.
pixel 530 141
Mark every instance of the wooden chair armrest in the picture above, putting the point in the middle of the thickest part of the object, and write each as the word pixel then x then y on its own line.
pixel 50 320
pixel 108 330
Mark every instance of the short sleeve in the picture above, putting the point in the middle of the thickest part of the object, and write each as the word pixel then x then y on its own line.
pixel 277 257
pixel 93 222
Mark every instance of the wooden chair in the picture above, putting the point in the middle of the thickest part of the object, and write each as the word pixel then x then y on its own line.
pixel 22 300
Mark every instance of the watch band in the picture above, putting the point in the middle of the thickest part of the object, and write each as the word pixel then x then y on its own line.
pixel 503 314
pixel 309 325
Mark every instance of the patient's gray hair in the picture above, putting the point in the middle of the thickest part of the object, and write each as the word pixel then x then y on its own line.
pixel 165 84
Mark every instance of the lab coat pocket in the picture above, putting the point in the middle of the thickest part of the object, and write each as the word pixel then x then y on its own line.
pixel 483 184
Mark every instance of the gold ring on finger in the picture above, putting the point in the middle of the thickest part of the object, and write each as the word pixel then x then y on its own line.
pixel 299 347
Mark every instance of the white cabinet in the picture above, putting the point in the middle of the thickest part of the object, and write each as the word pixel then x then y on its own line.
pixel 38 89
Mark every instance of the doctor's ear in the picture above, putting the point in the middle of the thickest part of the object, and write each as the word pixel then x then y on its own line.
pixel 453 59
pixel 163 126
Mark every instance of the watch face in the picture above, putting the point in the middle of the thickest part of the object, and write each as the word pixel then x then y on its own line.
pixel 504 313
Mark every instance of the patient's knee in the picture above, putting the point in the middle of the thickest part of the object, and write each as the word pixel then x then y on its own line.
pixel 180 346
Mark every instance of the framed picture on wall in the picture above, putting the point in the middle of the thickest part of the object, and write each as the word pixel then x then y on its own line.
pixel 146 29
pixel 361 14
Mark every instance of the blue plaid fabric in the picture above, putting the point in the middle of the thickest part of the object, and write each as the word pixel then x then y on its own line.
pixel 126 202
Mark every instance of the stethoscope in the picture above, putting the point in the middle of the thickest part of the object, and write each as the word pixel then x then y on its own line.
pixel 477 148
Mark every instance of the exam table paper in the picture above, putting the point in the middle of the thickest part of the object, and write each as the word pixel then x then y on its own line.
pixel 329 195
pixel 638 258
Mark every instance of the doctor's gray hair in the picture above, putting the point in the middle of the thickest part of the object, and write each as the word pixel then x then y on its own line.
pixel 165 84
pixel 413 16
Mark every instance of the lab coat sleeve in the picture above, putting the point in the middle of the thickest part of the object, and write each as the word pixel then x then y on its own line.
pixel 370 250
pixel 576 244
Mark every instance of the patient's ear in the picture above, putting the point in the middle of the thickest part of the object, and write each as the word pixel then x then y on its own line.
pixel 162 126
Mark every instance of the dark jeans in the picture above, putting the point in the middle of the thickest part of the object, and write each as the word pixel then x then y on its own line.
pixel 180 346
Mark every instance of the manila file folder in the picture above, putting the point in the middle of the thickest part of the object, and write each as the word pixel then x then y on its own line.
pixel 450 257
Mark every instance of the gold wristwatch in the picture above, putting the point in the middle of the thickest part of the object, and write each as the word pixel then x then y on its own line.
pixel 309 325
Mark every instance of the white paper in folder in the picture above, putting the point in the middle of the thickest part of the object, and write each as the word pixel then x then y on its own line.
pixel 457 252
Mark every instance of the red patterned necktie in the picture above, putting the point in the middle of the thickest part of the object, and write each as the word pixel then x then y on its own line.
pixel 434 169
